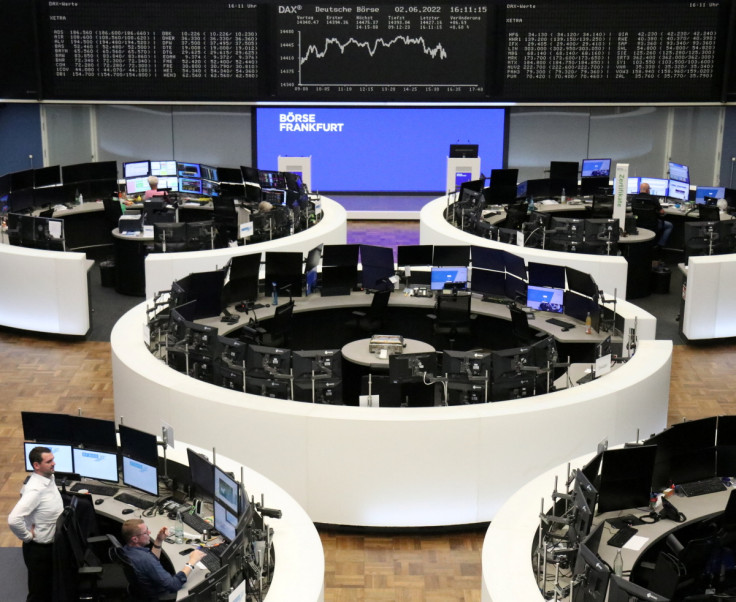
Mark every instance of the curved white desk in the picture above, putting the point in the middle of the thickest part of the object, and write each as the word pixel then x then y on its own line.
pixel 163 268
pixel 44 291
pixel 708 308
pixel 609 272
pixel 392 467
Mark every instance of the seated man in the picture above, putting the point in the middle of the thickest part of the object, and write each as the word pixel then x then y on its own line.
pixel 152 578
pixel 664 227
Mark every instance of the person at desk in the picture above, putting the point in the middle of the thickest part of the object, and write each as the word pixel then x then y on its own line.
pixel 153 579
pixel 33 520
pixel 264 207
pixel 153 188
pixel 664 227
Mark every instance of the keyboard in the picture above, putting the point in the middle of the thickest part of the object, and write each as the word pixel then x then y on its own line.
pixel 134 500
pixel 622 536
pixel 703 487
pixel 108 490
pixel 211 561
pixel 560 323
pixel 196 522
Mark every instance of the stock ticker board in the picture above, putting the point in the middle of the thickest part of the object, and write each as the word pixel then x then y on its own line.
pixel 190 50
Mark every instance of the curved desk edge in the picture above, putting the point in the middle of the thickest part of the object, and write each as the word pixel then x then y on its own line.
pixel 708 311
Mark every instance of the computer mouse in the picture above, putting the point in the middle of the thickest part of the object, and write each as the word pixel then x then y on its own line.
pixel 98 501
pixel 128 511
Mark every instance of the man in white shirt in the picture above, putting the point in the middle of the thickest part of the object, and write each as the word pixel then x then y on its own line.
pixel 33 520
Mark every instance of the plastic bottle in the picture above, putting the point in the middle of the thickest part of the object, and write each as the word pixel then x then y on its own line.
pixel 588 324
pixel 618 564
pixel 563 197
pixel 179 528
pixel 274 294
pixel 530 205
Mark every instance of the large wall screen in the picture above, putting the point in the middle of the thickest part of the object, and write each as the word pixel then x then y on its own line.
pixel 378 149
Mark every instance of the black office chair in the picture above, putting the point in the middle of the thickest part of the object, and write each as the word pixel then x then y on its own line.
pixel 516 216
pixel 452 319
pixel 134 590
pixel 113 211
pixel 520 327
pixel 371 321
pixel 646 213
pixel 278 328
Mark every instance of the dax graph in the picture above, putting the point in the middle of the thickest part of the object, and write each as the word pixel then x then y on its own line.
pixel 382 51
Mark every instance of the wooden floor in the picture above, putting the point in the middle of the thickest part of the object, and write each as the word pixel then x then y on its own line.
pixel 46 375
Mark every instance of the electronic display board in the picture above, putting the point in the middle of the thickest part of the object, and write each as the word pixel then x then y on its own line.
pixel 340 50
pixel 173 50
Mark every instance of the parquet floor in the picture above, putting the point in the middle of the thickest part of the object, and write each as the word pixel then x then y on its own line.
pixel 59 376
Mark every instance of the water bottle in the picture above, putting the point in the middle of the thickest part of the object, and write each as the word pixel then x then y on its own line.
pixel 618 564
pixel 274 294
pixel 179 528
pixel 563 197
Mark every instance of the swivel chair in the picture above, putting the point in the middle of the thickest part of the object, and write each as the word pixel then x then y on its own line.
pixel 452 318
pixel 135 591
pixel 113 211
pixel 515 216
pixel 646 214
pixel 371 321
pixel 520 327
pixel 278 328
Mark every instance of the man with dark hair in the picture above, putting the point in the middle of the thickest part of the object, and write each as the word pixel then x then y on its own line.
pixel 152 578
pixel 33 520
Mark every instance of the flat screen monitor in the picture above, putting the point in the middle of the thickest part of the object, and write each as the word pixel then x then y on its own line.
pixel 623 590
pixel 140 475
pixel 284 269
pixel 451 255
pixel 138 444
pixel 100 465
pixel 411 367
pixel 466 364
pixel 579 306
pixel 208 172
pixel 325 363
pixel 515 265
pixel 685 452
pixel 206 289
pixel 46 426
pixel 678 172
pixel 327 392
pixel 704 193
pixel 632 185
pixel 487 258
pixel 595 168
pixel 448 277
pixel 93 433
pixel 191 185
pixel 231 175
pixel 188 170
pixel 265 362
pixel 226 490
pixel 202 474
pixel 594 576
pixel 137 185
pixel 163 168
pixel 226 520
pixel 62 455
pixel 543 274
pixel 657 186
pixel 314 257
pixel 678 190
pixel 21 180
pixel 502 187
pixel 515 288
pixel 488 282
pixel 463 151
pixel 340 255
pixel 563 175
pixel 626 478
pixel 243 282
pixel 543 298
pixel 170 232
pixel 581 282
pixel 47 176
pixel 377 267
pixel 268 387
pixel 137 169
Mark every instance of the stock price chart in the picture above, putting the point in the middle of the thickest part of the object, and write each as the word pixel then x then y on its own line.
pixel 345 51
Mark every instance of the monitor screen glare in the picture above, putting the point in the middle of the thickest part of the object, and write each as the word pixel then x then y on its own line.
pixel 678 190
pixel 543 298
pixel 140 476
pixel 62 456
pixel 443 276
pixel 226 490
pixel 96 464
pixel 679 172
pixel 632 186
pixel 596 168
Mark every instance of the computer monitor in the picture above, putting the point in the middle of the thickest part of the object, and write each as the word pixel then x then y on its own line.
pixel 567 233
pixel 340 255
pixel 509 380
pixel 451 255
pixel 138 444
pixel 632 185
pixel 202 474
pixel 232 175
pixel 188 170
pixel 46 426
pixel 137 169
pixel 411 367
pixel 377 267
pixel 487 258
pixel 100 465
pixel 448 278
pixel 542 298
pixel 206 289
pixel 137 185
pixel 268 387
pixel 502 187
pixel 678 190
pixel 414 255
pixel 623 590
pixel 563 175
pixel 594 168
pixel 190 185
pixel 314 257
pixel 163 168
pixel 272 179
pixel 705 193
pixel 466 364
pixel 325 363
pixel 92 433
pixel 226 520
pixel 318 391
pixel 47 176
pixel 515 289
pixel 591 573
pixel 463 151
pixel 243 279
pixel 543 274
pixel 626 478
pixel 657 186
pixel 140 475
pixel 266 362
pixel 208 172
pixel 579 306
pixel 284 269
pixel 226 490
pixel 488 282
pixel 581 282
pixel 202 339
pixel 514 265
pixel 63 456
pixel 678 172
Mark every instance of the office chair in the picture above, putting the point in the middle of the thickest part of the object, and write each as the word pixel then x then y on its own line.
pixel 371 321
pixel 452 317
pixel 78 571
pixel 278 328
pixel 515 216
pixel 135 592
pixel 520 327
pixel 113 211
pixel 47 213
pixel 646 215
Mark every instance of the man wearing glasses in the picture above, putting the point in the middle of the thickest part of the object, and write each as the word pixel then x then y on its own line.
pixel 144 555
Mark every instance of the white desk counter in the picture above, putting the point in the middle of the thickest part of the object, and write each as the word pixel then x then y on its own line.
pixel 391 467
pixel 609 272
pixel 163 268
pixel 709 311
pixel 44 291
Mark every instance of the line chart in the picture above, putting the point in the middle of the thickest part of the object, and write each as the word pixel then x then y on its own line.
pixel 434 52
